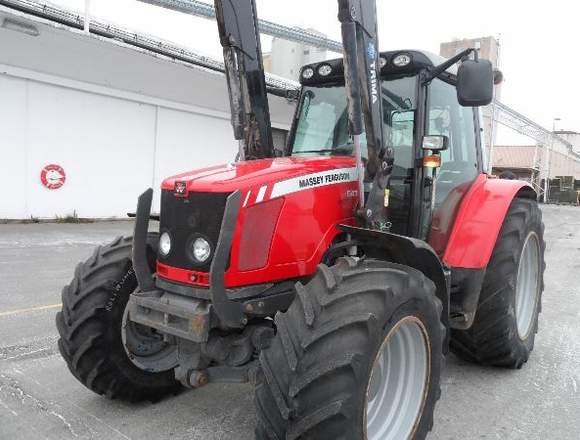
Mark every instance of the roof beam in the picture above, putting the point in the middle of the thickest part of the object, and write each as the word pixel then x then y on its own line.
pixel 74 20
pixel 523 125
pixel 205 10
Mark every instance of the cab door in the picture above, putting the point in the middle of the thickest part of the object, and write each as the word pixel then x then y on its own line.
pixel 461 162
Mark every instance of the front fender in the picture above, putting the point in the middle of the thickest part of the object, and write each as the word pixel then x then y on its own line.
pixel 409 251
pixel 479 220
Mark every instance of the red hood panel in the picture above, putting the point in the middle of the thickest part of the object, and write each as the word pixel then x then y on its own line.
pixel 241 175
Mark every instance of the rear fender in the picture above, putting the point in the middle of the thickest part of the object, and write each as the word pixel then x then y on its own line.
pixel 472 240
pixel 479 220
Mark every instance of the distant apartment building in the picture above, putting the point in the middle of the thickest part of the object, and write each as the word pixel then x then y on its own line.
pixel 489 50
pixel 287 57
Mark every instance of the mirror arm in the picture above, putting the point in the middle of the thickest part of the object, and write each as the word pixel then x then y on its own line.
pixel 434 72
pixel 290 94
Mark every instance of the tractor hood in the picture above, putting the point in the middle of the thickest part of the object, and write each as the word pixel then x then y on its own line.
pixel 243 175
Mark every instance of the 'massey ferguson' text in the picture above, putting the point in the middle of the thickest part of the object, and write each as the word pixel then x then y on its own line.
pixel 321 180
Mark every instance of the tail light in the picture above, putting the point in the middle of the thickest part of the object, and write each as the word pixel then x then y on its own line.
pixel 259 224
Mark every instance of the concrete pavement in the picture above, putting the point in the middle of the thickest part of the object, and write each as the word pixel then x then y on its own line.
pixel 40 399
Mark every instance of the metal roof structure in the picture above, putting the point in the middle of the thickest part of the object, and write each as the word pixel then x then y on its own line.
pixel 68 18
pixel 205 10
pixel 502 113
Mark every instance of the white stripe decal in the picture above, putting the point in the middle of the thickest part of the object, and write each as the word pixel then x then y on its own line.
pixel 261 193
pixel 314 180
pixel 247 198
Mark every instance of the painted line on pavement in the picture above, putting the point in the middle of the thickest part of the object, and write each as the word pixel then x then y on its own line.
pixel 31 309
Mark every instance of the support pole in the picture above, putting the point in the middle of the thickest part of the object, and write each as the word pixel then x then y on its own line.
pixel 87 22
pixel 549 162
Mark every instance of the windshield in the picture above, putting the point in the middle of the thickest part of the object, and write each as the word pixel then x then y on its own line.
pixel 322 127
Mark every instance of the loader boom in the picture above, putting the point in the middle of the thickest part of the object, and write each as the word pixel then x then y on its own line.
pixel 358 20
pixel 240 39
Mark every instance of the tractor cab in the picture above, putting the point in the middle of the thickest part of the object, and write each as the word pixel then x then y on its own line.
pixel 414 112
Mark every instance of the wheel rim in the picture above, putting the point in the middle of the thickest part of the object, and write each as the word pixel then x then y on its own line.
pixel 527 285
pixel 398 382
pixel 146 348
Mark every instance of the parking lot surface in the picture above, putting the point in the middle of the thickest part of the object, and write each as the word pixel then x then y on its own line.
pixel 40 399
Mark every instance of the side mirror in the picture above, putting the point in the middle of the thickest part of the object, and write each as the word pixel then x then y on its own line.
pixel 475 83
pixel 435 143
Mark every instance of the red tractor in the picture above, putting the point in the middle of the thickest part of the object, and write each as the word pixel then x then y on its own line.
pixel 336 274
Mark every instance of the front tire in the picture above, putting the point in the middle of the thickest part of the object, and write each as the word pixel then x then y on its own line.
pixel 325 375
pixel 506 320
pixel 95 336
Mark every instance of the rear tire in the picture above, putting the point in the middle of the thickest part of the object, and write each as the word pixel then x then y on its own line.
pixel 315 378
pixel 506 320
pixel 90 326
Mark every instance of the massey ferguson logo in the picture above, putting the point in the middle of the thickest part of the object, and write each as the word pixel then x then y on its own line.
pixel 180 189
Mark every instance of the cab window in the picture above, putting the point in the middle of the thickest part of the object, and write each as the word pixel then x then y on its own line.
pixel 322 127
pixel 447 117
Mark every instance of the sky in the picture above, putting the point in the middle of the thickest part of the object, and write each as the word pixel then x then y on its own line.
pixel 539 39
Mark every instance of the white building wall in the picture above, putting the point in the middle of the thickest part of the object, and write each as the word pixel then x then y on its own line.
pixel 110 148
pixel 186 141
pixel 117 119
pixel 104 144
pixel 13 154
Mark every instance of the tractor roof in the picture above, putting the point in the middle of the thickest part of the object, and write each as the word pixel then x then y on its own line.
pixel 417 60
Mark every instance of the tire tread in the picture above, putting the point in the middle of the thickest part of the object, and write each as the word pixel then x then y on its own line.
pixel 85 328
pixel 342 304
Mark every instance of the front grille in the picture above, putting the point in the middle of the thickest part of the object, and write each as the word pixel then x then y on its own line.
pixel 186 218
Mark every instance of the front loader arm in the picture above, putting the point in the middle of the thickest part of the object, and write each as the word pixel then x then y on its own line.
pixel 358 20
pixel 238 28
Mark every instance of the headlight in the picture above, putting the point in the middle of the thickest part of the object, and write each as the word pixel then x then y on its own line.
pixel 307 73
pixel 402 60
pixel 324 70
pixel 201 249
pixel 165 244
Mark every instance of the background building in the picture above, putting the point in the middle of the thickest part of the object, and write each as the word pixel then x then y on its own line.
pixel 521 159
pixel 489 50
pixel 562 170
pixel 572 137
pixel 116 118
pixel 287 57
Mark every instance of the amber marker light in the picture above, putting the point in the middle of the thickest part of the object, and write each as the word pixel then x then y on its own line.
pixel 432 161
